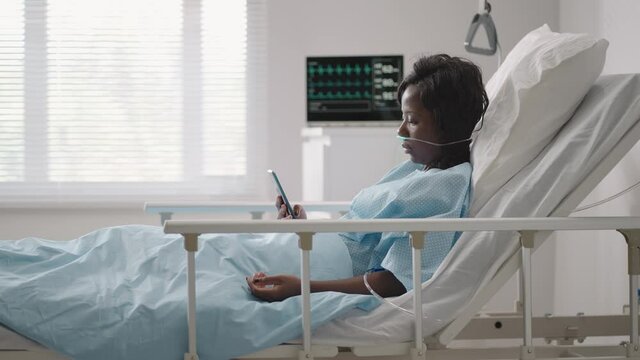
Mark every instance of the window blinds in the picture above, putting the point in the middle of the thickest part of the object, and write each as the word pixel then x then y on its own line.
pixel 129 97
pixel 11 90
pixel 224 82
pixel 114 90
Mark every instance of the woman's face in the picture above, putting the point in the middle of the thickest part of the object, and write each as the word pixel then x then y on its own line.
pixel 418 123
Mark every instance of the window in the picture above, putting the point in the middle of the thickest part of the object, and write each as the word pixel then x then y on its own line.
pixel 130 97
pixel 11 91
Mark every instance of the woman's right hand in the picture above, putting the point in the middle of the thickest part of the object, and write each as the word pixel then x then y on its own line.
pixel 273 288
pixel 284 214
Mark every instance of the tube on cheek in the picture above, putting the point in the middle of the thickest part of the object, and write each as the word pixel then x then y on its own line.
pixel 404 138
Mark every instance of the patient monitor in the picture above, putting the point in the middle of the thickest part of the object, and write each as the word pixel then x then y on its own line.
pixel 353 90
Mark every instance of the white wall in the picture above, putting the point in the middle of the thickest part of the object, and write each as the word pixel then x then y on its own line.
pixel 592 266
pixel 300 28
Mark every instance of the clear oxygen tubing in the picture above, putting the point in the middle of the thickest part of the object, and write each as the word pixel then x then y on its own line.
pixel 403 310
pixel 404 138
pixel 582 208
pixel 606 200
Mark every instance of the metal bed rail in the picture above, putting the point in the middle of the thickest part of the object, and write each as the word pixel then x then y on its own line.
pixel 629 227
pixel 166 210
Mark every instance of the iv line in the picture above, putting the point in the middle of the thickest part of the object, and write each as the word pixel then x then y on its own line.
pixel 405 311
pixel 366 283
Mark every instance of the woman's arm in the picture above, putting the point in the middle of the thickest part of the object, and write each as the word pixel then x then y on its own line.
pixel 280 287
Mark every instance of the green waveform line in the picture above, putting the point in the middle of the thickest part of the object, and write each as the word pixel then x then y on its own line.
pixel 339 83
pixel 357 95
pixel 340 69
pixel 329 69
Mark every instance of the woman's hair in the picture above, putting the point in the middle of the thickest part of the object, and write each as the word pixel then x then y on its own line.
pixel 451 89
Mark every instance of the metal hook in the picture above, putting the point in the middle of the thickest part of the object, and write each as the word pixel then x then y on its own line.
pixel 483 18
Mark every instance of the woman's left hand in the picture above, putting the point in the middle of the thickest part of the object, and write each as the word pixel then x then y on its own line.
pixel 273 288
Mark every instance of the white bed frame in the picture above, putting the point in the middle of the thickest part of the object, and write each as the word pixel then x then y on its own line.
pixel 565 331
pixel 528 228
pixel 468 325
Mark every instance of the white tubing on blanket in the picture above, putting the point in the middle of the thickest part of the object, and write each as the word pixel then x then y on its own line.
pixel 403 310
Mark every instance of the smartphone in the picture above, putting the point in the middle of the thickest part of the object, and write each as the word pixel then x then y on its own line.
pixel 281 192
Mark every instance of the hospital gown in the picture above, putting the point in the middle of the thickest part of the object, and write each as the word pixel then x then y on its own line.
pixel 408 192
pixel 120 293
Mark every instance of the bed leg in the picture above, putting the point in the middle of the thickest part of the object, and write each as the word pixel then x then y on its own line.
pixel 527 350
pixel 305 243
pixel 191 246
pixel 417 244
pixel 632 236
pixel 415 354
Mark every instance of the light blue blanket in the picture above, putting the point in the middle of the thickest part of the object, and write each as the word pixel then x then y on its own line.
pixel 121 292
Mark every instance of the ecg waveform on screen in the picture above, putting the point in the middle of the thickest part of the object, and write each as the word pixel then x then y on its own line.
pixel 339 70
pixel 353 88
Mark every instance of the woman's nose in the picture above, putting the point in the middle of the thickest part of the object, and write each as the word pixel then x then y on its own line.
pixel 402 130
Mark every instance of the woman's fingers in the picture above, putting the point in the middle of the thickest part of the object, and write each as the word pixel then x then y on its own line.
pixel 299 211
pixel 257 276
pixel 282 209
pixel 261 279
pixel 255 287
pixel 274 288
pixel 283 213
pixel 267 280
pixel 260 287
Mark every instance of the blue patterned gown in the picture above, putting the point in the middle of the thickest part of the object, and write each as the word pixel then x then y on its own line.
pixel 408 192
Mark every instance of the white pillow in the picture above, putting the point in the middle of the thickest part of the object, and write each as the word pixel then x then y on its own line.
pixel 532 94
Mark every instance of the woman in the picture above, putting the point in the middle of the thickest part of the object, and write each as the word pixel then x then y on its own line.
pixel 442 99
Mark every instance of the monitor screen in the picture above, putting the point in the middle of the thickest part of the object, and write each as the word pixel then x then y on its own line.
pixel 353 89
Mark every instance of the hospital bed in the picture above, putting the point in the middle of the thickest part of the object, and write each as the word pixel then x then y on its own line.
pixel 343 339
pixel 453 316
